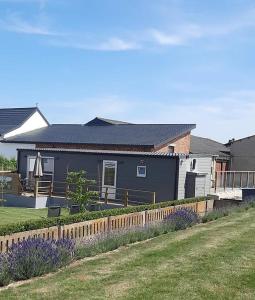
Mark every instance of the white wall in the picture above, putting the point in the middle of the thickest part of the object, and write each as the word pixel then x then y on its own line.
pixel 36 121
pixel 203 165
pixel 9 150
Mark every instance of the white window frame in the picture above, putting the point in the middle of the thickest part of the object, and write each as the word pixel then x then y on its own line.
pixel 114 163
pixel 45 173
pixel 139 174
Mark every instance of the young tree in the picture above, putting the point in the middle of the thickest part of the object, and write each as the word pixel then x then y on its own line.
pixel 78 188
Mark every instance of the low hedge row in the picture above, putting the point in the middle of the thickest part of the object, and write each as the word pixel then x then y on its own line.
pixel 86 216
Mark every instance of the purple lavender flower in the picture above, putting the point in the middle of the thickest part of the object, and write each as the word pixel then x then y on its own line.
pixel 34 257
pixel 4 269
pixel 182 218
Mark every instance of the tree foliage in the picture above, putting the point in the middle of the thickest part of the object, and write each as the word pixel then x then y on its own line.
pixel 7 164
pixel 79 191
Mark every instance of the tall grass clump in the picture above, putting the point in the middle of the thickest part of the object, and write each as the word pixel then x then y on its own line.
pixel 225 211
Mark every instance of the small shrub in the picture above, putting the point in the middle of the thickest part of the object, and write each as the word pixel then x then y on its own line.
pixel 80 193
pixel 216 214
pixel 34 257
pixel 182 218
pixel 4 270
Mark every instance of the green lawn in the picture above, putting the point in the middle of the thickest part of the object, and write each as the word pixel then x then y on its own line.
pixel 13 215
pixel 209 261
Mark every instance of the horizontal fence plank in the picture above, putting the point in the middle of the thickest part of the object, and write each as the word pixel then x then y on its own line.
pixel 91 228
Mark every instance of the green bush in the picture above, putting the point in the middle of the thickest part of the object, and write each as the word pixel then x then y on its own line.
pixel 63 220
pixel 225 211
pixel 8 164
pixel 80 193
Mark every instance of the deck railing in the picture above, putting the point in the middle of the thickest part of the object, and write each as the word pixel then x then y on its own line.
pixel 123 196
pixel 234 180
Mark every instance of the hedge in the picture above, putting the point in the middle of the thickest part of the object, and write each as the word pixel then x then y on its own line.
pixel 86 216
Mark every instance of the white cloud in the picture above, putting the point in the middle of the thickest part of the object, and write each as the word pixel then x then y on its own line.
pixel 180 33
pixel 15 23
pixel 112 44
pixel 117 44
pixel 221 118
pixel 83 110
pixel 180 37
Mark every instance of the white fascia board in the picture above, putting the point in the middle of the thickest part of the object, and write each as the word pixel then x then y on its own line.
pixel 36 121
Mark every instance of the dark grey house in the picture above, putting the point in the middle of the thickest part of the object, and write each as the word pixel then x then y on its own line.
pixel 116 169
pixel 120 155
pixel 242 154
pixel 162 173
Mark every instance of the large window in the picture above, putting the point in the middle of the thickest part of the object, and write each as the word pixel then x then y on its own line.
pixel 47 167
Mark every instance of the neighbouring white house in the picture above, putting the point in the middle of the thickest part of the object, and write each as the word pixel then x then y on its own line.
pixel 15 121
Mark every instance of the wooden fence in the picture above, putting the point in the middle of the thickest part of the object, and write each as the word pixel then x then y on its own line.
pixel 90 228
pixel 234 180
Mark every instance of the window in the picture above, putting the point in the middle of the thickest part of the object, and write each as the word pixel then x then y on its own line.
pixel 141 171
pixel 171 148
pixel 48 164
pixel 193 165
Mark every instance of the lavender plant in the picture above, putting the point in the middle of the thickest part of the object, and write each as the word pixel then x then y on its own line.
pixel 4 270
pixel 182 218
pixel 34 257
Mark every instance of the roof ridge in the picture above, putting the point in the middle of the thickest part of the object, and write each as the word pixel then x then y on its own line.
pixel 209 139
pixel 12 108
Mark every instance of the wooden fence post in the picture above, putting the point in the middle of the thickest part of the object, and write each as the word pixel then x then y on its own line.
pixel 67 189
pixel 153 197
pixel 36 188
pixel 216 181
pixel 109 224
pixel 145 217
pixel 126 199
pixel 50 189
pixel 234 179
pixel 106 196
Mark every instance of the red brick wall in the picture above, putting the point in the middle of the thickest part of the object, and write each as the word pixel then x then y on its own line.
pixel 97 147
pixel 182 145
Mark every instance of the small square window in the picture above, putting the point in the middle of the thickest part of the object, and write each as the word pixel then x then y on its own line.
pixel 141 171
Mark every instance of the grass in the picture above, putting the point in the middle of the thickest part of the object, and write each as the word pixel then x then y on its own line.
pixel 10 215
pixel 209 261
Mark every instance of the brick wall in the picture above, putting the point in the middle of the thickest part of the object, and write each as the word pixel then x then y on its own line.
pixel 98 147
pixel 182 145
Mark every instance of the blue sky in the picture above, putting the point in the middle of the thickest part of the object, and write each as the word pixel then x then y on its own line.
pixel 145 61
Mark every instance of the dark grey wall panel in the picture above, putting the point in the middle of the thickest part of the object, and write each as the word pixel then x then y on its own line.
pixel 161 171
pixel 243 155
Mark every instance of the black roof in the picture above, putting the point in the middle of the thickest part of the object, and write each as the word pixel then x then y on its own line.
pixel 124 134
pixel 102 121
pixel 12 118
pixel 200 145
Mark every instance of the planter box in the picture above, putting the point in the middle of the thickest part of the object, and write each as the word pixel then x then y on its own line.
pixel 54 211
pixel 248 194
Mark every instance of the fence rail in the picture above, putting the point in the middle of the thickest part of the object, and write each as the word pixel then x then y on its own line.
pixel 87 229
pixel 107 194
pixel 234 179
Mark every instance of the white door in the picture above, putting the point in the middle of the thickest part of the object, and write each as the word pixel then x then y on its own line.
pixel 109 178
